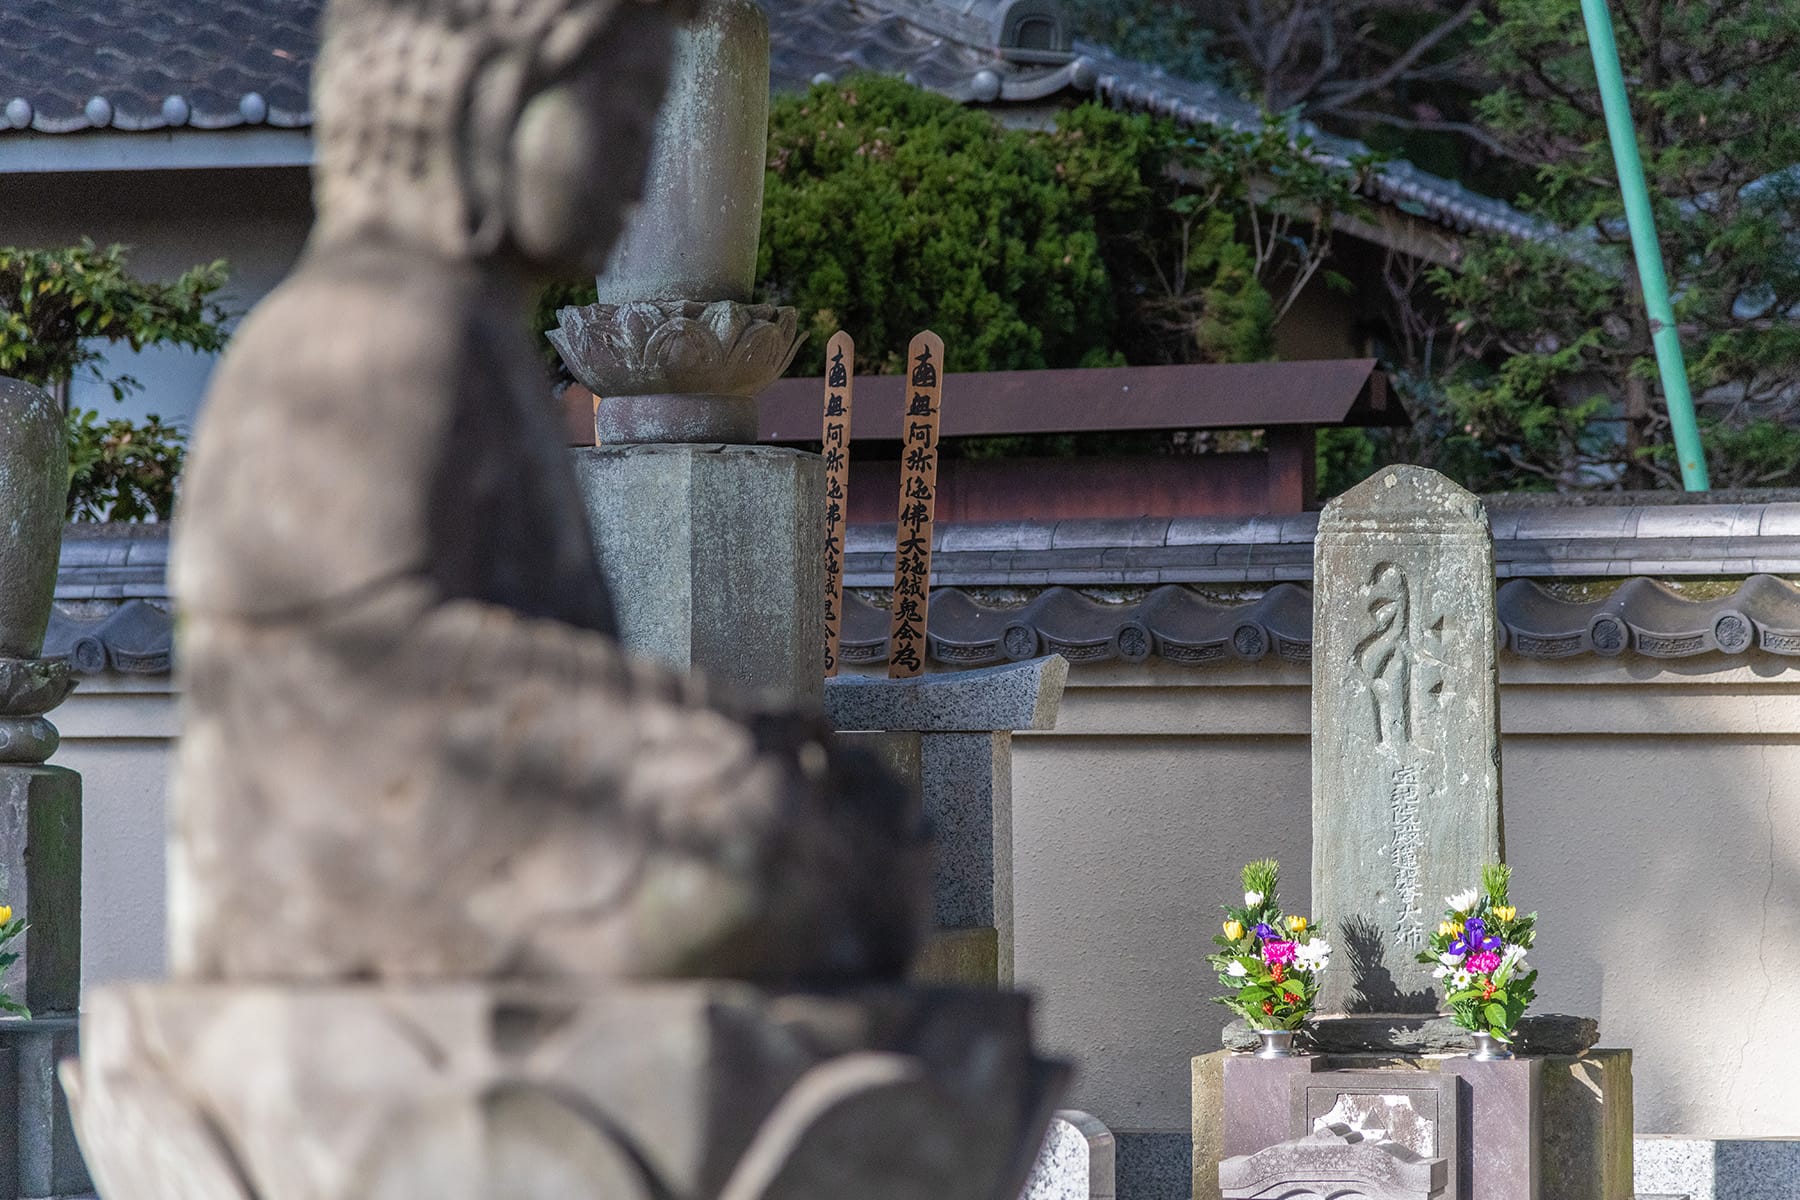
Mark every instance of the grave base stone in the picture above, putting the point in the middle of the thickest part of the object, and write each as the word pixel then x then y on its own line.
pixel 1503 1105
pixel 1585 1116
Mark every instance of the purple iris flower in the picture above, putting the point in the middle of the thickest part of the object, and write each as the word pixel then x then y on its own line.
pixel 1264 930
pixel 1474 938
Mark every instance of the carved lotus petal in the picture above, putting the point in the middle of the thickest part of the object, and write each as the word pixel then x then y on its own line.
pixel 677 346
pixel 684 348
pixel 30 686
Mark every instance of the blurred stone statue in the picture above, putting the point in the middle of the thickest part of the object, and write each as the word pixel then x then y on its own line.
pixel 412 746
pixel 464 903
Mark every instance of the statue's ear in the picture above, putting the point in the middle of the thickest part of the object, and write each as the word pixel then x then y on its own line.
pixel 489 156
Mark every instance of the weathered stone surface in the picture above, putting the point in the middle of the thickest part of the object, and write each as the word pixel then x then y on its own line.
pixel 40 879
pixel 1335 1161
pixel 1586 1118
pixel 966 781
pixel 1587 1152
pixel 694 236
pixel 966 957
pixel 34 485
pixel 1258 1109
pixel 1505 1104
pixel 702 546
pixel 1538 1033
pixel 1022 695
pixel 38 1154
pixel 1405 728
pixel 1717 1169
pixel 1421 1111
pixel 1076 1161
pixel 621 1093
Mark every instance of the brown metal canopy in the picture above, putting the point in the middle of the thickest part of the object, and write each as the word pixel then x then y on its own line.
pixel 1224 396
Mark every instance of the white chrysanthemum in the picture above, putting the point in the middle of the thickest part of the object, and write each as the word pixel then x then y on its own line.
pixel 1252 899
pixel 1513 958
pixel 1236 969
pixel 1461 980
pixel 1451 960
pixel 1463 901
pixel 1439 971
pixel 1313 954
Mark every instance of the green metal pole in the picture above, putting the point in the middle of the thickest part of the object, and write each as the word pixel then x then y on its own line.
pixel 1644 246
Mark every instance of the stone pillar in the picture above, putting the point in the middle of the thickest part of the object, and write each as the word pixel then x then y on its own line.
pixel 714 547
pixel 965 721
pixel 40 808
pixel 716 561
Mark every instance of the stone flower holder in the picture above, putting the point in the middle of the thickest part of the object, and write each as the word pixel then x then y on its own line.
pixel 677 370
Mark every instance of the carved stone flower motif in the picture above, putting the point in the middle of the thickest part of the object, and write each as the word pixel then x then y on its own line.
pixel 677 346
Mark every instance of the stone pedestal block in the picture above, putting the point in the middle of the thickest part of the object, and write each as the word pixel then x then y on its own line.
pixel 38 1155
pixel 1585 1116
pixel 715 558
pixel 40 879
pixel 536 1092
pixel 965 722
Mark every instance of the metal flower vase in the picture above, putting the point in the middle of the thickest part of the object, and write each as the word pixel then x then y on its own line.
pixel 1489 1048
pixel 1276 1043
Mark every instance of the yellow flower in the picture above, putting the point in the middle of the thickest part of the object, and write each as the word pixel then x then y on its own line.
pixel 1505 912
pixel 5 913
pixel 1448 929
pixel 1234 930
pixel 1296 924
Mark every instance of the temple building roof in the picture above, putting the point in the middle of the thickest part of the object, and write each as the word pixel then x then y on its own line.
pixel 148 66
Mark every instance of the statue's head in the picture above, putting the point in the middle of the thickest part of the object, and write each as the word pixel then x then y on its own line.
pixel 488 128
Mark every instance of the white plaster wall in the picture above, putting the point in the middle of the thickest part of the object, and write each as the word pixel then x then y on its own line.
pixel 117 731
pixel 1653 817
pixel 256 219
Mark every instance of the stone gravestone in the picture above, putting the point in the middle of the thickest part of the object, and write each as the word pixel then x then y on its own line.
pixel 1405 728
pixel 1406 809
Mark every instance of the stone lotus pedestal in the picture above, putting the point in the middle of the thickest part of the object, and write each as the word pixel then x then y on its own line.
pixel 655 1091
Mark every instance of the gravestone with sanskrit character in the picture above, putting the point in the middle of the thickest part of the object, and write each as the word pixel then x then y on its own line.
pixel 1406 731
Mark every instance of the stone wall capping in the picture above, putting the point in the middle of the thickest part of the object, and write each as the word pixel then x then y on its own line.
pixel 1107 532
pixel 1779 520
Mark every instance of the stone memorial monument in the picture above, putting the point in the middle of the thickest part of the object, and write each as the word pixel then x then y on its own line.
pixel 1406 810
pixel 1405 726
pixel 465 901
pixel 40 807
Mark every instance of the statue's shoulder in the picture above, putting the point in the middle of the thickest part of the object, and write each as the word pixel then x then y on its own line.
pixel 324 431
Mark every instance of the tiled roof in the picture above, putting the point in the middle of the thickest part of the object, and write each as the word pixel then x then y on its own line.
pixel 71 65
pixel 1573 581
pixel 138 65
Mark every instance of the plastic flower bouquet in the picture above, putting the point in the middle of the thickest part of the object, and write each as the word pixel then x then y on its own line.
pixel 1273 974
pixel 1479 950
pixel 10 928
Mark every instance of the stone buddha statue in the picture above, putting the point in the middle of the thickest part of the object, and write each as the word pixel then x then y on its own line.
pixel 413 748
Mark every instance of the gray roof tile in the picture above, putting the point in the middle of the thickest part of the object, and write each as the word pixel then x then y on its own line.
pixel 140 65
